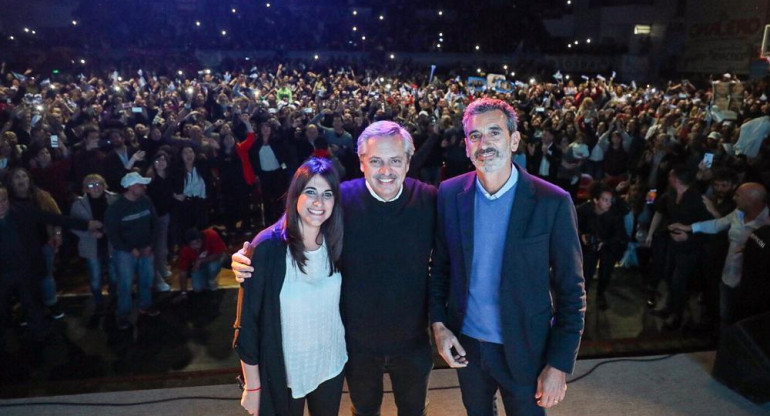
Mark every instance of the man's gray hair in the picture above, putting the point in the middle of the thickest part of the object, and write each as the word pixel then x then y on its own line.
pixel 385 128
pixel 484 105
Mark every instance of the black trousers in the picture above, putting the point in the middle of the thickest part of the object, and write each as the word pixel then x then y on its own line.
pixel 658 249
pixel 409 372
pixel 680 269
pixel 606 261
pixel 323 401
pixel 486 373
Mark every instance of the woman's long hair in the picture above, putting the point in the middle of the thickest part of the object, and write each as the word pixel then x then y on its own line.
pixel 34 194
pixel 331 229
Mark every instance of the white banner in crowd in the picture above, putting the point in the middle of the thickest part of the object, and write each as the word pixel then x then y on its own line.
pixel 753 133
pixel 722 36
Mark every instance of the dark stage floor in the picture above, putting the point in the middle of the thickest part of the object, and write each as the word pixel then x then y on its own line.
pixel 189 343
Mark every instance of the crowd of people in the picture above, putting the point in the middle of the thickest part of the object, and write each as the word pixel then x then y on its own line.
pixel 154 160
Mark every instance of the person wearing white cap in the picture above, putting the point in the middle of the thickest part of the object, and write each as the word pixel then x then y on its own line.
pixel 131 224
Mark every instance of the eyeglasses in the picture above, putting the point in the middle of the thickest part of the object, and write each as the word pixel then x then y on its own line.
pixel 94 185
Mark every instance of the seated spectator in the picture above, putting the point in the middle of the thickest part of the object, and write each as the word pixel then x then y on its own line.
pixel 200 259
pixel 603 238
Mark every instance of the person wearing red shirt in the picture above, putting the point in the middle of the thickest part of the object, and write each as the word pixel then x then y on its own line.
pixel 200 259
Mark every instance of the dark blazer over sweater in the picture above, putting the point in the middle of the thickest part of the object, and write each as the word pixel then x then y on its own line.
pixel 542 297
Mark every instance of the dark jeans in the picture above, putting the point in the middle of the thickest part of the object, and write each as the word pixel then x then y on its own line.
pixel 680 268
pixel 486 373
pixel 606 261
pixel 323 401
pixel 409 372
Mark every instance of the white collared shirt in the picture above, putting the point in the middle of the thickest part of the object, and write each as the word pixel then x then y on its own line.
pixel 379 198
pixel 506 187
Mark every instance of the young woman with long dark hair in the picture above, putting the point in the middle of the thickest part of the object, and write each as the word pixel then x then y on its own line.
pixel 290 336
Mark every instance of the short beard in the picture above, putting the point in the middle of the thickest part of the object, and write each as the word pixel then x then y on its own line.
pixel 489 165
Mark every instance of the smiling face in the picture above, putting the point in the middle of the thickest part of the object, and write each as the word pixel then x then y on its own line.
pixel 315 203
pixel 488 143
pixel 385 164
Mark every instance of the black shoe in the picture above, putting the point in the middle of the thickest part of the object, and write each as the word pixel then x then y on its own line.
pixel 55 311
pixel 601 302
pixel 661 313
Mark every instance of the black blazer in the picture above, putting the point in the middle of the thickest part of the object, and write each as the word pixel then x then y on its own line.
pixel 542 257
pixel 259 340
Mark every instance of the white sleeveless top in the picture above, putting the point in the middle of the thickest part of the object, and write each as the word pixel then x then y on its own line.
pixel 311 326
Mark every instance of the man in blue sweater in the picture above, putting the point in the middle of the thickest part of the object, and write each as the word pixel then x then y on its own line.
pixel 507 302
pixel 389 227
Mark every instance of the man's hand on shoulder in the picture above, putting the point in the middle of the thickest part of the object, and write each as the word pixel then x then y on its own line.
pixel 241 263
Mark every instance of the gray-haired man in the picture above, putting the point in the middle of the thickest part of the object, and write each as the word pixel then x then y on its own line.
pixel 389 228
